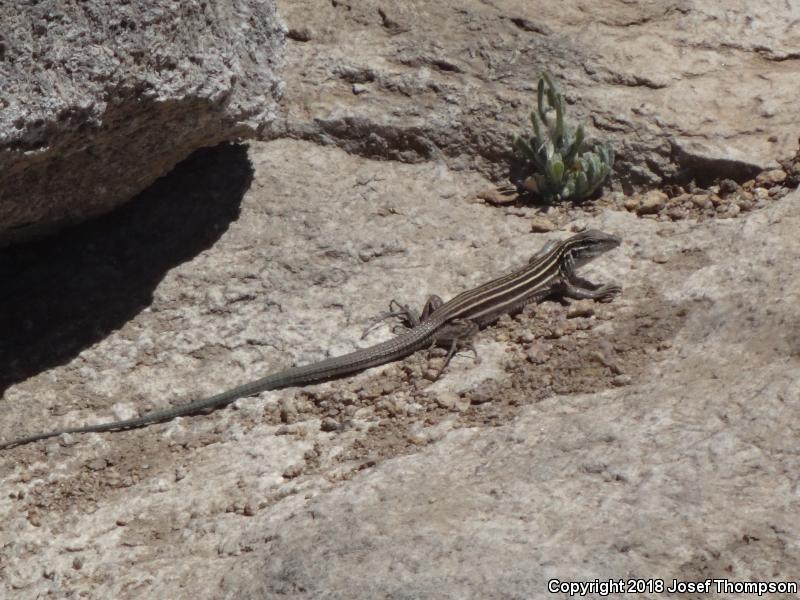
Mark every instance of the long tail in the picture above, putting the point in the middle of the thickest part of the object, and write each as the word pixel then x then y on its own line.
pixel 158 416
pixel 330 368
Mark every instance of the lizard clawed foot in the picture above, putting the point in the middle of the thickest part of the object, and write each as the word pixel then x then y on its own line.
pixel 606 293
pixel 455 335
pixel 408 317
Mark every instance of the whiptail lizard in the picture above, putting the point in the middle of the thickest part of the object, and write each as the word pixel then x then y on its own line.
pixel 551 271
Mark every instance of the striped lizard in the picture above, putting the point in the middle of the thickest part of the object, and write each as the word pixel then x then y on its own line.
pixel 549 272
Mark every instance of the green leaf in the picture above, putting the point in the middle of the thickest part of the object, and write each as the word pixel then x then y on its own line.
pixel 581 185
pixel 547 79
pixel 547 152
pixel 569 190
pixel 524 148
pixel 592 166
pixel 540 101
pixel 559 138
pixel 528 153
pixel 539 153
pixel 574 147
pixel 552 91
pixel 536 129
pixel 607 156
pixel 555 168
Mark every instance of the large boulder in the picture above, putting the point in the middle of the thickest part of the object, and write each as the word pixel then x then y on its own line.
pixel 100 98
pixel 681 90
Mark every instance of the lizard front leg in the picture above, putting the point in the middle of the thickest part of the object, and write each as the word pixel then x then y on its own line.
pixel 582 289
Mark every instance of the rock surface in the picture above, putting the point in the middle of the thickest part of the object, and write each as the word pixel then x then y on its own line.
pixel 672 409
pixel 654 436
pixel 687 473
pixel 98 99
pixel 682 89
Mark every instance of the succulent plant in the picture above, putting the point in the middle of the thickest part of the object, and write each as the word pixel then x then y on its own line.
pixel 562 170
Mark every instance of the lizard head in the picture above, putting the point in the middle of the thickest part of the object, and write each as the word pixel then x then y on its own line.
pixel 588 244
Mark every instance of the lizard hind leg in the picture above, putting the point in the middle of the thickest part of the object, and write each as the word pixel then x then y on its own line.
pixel 453 336
pixel 409 318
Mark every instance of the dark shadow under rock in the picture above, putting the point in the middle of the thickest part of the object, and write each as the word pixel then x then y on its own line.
pixel 63 294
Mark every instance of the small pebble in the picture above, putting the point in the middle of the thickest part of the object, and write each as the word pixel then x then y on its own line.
pixel 652 202
pixel 702 201
pixel 430 374
pixel 541 225
pixel 293 471
pixel 581 308
pixel 329 424
pixel 447 400
pixel 631 204
pixel 526 337
pixel 621 380
pixel 761 193
pixel 744 202
pixel 676 213
pixel 97 464
pixel 684 200
pixel 728 186
pixel 480 397
pixel 777 191
pixel 578 225
pixel 770 178
pixel 536 355
pixel 302 34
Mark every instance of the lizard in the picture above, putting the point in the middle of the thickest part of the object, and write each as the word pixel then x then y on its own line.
pixel 549 272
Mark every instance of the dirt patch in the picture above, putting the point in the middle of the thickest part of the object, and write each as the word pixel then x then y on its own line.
pixel 552 349
pixel 94 475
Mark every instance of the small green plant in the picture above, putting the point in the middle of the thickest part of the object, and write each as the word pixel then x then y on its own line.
pixel 561 169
